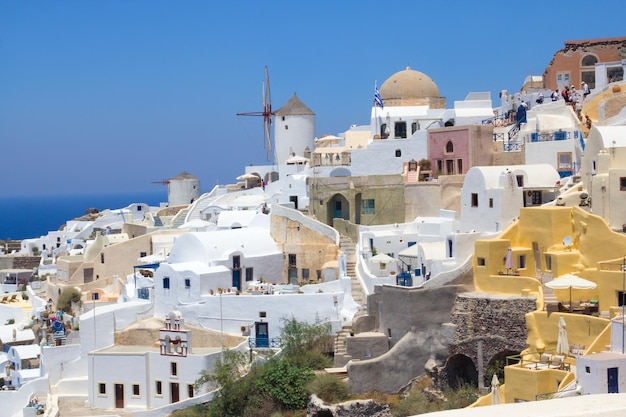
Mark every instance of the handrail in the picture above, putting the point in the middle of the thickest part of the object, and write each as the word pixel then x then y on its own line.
pixel 497 121
pixel 513 131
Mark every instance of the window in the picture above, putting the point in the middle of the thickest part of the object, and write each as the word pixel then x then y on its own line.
pixel 490 202
pixel 563 79
pixel 95 296
pixel 450 166
pixel 400 130
pixel 614 74
pixel 536 198
pixel 413 127
pixel 319 274
pixel 480 261
pixel 398 153
pixel 292 260
pixel 249 274
pixel 449 147
pixel 166 283
pixel 173 369
pixel 190 390
pixel 589 61
pixel 587 369
pixel 459 166
pixel 520 180
pixel 187 283
pixel 368 206
pixel 305 273
pixel 384 132
pixel 521 262
pixel 439 165
pixel 142 254
pixel 622 183
pixel 102 388
pixel 158 388
pixel 136 390
pixel 236 262
pixel 474 199
pixel 102 258
pixel 548 262
pixel 564 161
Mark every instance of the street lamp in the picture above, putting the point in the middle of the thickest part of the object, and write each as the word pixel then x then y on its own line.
pixel 220 290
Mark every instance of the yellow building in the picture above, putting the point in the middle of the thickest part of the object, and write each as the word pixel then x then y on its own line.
pixel 546 244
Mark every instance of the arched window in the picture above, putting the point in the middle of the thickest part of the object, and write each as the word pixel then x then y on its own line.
pixel 384 131
pixel 589 61
pixel 449 147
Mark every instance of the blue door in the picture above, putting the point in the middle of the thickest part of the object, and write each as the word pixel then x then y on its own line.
pixel 262 335
pixel 337 211
pixel 612 380
pixel 237 279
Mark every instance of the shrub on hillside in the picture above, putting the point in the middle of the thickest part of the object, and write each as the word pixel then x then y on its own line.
pixel 329 388
pixel 66 298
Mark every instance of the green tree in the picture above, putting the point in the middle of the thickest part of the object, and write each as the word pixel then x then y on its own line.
pixel 285 382
pixel 306 344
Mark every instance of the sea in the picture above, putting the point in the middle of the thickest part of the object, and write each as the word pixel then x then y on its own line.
pixel 32 216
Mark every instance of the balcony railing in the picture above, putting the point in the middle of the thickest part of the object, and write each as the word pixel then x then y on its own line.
pixel 260 342
pixel 498 121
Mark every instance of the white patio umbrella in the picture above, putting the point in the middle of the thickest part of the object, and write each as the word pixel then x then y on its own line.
pixel 246 177
pixel 382 258
pixel 562 344
pixel 508 264
pixel 495 390
pixel 570 281
pixel 297 160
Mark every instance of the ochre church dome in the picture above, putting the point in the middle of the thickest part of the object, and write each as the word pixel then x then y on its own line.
pixel 408 88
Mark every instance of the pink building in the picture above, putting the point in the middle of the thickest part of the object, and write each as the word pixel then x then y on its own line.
pixel 454 150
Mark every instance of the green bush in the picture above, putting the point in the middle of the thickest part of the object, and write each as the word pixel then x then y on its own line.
pixel 66 298
pixel 286 383
pixel 329 388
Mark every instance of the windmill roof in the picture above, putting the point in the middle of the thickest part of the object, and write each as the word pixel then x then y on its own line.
pixel 294 107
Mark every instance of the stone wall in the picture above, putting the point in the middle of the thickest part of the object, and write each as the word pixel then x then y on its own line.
pixel 427 328
pixel 488 326
pixel 370 408
pixel 19 262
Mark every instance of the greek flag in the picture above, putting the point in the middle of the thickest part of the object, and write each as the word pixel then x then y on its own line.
pixel 378 101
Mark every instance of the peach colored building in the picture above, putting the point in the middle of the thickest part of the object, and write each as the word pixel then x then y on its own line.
pixel 576 62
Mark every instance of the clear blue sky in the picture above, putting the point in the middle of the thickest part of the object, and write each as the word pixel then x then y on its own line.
pixel 108 96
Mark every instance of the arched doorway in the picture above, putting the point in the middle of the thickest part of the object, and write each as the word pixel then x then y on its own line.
pixel 496 366
pixel 338 207
pixel 461 370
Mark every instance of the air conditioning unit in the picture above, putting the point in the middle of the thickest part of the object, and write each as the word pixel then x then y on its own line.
pixel 245 330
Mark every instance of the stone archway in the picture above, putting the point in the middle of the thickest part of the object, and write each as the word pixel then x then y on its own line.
pixel 460 370
pixel 496 365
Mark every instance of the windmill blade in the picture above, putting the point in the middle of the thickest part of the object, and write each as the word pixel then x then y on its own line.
pixel 266 113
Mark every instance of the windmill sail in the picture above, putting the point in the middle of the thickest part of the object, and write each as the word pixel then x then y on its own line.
pixel 266 113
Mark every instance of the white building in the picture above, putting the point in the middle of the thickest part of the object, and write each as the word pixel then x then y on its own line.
pixel 492 196
pixel 603 173
pixel 152 375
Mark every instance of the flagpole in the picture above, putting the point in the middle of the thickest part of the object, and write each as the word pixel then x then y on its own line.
pixel 375 107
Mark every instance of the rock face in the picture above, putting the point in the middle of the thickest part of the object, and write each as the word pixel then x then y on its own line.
pixel 370 408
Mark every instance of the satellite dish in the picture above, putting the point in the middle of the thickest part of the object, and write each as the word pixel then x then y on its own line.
pixel 567 242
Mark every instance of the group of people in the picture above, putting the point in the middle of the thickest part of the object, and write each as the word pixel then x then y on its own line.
pixel 571 95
